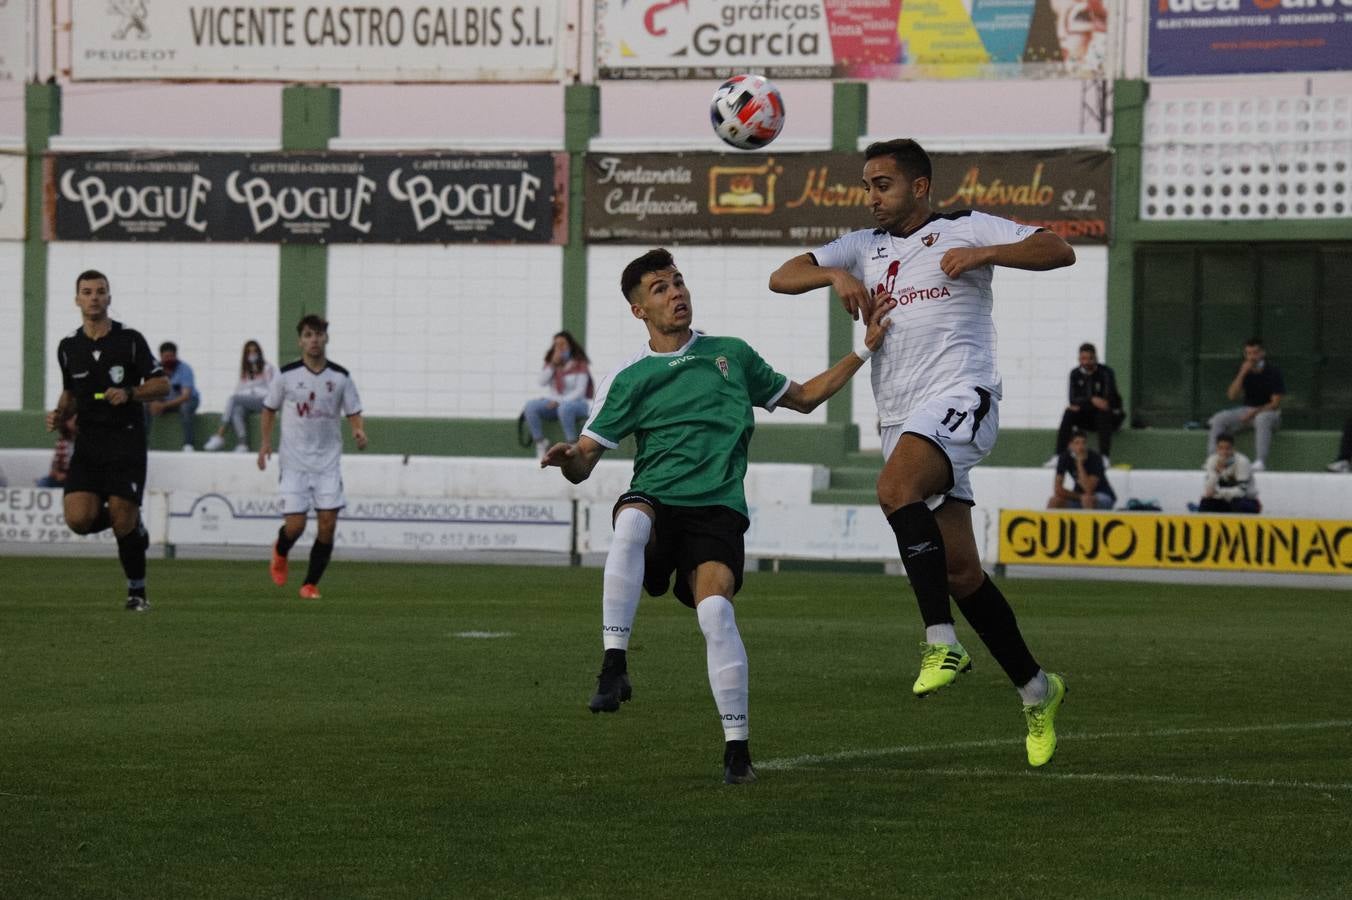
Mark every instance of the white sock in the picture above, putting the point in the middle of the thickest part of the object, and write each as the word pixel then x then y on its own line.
pixel 623 580
pixel 727 665
pixel 940 634
pixel 1036 690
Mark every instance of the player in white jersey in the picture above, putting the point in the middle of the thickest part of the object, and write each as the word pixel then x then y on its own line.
pixel 312 394
pixel 937 388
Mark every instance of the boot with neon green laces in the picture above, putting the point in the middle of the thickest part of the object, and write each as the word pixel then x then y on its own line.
pixel 1041 719
pixel 939 666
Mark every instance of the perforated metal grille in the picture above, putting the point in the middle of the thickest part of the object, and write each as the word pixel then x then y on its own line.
pixel 1240 158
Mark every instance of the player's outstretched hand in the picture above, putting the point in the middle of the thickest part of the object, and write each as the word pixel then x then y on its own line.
pixel 964 259
pixel 853 295
pixel 558 455
pixel 263 453
pixel 878 322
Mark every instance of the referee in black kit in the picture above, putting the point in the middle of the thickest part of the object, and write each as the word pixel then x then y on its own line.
pixel 107 373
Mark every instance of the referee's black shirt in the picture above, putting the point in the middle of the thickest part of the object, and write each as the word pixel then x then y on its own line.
pixel 119 359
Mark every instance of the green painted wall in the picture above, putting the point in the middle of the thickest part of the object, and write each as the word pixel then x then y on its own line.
pixel 581 122
pixel 42 119
pixel 849 121
pixel 309 120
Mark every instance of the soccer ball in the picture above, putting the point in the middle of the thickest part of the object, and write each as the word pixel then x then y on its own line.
pixel 747 111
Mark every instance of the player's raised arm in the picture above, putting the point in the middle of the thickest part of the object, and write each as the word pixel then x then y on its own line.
pixel 575 460
pixel 802 274
pixel 1039 252
pixel 804 398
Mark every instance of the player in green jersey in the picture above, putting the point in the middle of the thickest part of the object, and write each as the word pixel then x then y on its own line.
pixel 687 397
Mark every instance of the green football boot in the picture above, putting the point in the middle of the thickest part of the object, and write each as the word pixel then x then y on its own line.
pixel 1041 719
pixel 939 666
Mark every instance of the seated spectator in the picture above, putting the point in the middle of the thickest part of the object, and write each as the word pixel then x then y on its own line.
pixel 568 379
pixel 65 446
pixel 1260 385
pixel 183 398
pixel 1344 461
pixel 255 374
pixel 1089 476
pixel 1094 405
pixel 1229 481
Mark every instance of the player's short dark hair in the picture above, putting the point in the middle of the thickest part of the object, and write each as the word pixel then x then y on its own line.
pixel 1226 438
pixel 1078 433
pixel 1087 347
pixel 91 275
pixel 652 261
pixel 169 346
pixel 314 323
pixel 909 156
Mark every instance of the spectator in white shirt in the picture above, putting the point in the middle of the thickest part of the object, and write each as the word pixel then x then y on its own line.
pixel 255 374
pixel 568 381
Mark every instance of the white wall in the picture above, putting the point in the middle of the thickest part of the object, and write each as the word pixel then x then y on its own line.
pixel 728 289
pixel 11 324
pixel 207 298
pixel 454 331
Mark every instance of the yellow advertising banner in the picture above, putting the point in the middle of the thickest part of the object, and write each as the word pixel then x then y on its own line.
pixel 1153 541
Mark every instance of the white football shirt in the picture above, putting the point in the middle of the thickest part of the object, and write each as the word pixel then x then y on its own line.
pixel 942 334
pixel 312 405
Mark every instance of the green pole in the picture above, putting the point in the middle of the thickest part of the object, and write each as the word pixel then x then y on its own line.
pixel 309 119
pixel 1128 127
pixel 581 121
pixel 42 119
pixel 849 121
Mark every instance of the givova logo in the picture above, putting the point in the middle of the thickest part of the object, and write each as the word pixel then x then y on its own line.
pixel 133 18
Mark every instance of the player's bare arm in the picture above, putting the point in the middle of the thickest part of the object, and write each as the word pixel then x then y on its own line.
pixel 265 422
pixel 358 430
pixel 804 398
pixel 150 389
pixel 575 460
pixel 802 274
pixel 1038 252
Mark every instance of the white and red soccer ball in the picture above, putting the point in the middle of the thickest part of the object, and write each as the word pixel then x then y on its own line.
pixel 747 111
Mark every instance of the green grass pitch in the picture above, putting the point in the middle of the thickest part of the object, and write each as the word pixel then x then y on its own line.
pixel 240 742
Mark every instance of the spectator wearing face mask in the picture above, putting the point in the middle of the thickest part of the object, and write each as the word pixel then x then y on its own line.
pixel 567 379
pixel 255 374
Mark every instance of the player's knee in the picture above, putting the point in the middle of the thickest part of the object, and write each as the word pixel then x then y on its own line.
pixel 893 495
pixel 964 579
pixel 632 526
pixel 80 524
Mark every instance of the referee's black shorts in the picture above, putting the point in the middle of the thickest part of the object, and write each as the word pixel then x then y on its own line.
pixel 110 463
pixel 685 537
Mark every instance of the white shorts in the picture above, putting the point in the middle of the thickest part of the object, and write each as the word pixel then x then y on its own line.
pixel 963 424
pixel 303 491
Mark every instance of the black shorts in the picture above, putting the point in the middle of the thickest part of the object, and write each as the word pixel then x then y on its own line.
pixel 685 537
pixel 110 464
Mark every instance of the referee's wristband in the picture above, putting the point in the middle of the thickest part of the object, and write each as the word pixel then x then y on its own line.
pixel 863 353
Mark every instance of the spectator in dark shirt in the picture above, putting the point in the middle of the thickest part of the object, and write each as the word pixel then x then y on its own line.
pixel 1091 489
pixel 1344 461
pixel 1259 384
pixel 1094 404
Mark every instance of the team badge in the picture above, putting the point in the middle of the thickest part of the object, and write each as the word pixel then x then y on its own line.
pixel 929 239
pixel 329 385
pixel 722 363
pixel 115 374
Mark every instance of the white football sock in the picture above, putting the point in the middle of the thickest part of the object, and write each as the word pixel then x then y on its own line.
pixel 623 579
pixel 1036 690
pixel 727 665
pixel 940 634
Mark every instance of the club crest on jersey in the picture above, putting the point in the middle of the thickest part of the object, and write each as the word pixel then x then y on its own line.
pixel 722 363
pixel 329 385
pixel 929 239
pixel 116 374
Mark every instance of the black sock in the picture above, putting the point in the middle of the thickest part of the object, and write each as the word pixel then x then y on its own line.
pixel 990 615
pixel 102 521
pixel 922 553
pixel 131 550
pixel 319 561
pixel 284 543
pixel 617 658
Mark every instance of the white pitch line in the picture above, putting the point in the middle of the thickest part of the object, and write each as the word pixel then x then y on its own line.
pixel 1213 780
pixel 814 759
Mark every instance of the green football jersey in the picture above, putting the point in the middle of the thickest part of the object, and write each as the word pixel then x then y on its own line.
pixel 691 413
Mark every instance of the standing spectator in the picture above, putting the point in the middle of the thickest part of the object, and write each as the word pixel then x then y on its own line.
pixel 183 397
pixel 65 446
pixel 1260 385
pixel 255 374
pixel 1229 481
pixel 569 383
pixel 1344 461
pixel 1089 473
pixel 1094 404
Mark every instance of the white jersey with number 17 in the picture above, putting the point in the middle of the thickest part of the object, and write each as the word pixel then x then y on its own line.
pixel 942 334
pixel 312 405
